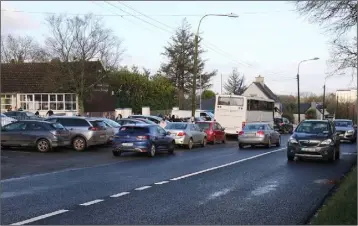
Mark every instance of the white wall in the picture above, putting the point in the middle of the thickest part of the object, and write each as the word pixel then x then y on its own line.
pixel 345 96
pixel 254 91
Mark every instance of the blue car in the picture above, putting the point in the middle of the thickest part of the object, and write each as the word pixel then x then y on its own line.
pixel 144 138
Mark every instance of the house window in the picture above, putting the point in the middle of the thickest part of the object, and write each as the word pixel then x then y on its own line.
pixel 27 101
pixel 7 101
pixel 55 102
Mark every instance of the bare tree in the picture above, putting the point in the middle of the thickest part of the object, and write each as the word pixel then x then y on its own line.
pixel 21 49
pixel 338 18
pixel 82 39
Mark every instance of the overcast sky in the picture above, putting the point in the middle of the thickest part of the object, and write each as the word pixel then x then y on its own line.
pixel 268 39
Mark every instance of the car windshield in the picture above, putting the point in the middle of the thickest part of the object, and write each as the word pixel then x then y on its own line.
pixel 2 115
pixel 343 123
pixel 254 127
pixel 112 123
pixel 313 127
pixel 179 126
pixel 204 125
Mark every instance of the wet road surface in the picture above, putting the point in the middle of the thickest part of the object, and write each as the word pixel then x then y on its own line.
pixel 216 185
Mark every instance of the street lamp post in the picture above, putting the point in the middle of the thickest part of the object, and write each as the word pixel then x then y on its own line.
pixel 196 43
pixel 298 86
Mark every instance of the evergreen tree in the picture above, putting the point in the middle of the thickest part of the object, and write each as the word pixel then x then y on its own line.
pixel 236 83
pixel 180 61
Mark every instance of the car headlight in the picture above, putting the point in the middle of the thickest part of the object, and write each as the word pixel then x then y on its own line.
pixel 350 131
pixel 326 142
pixel 292 141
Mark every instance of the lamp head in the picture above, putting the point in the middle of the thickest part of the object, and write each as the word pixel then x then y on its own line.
pixel 233 15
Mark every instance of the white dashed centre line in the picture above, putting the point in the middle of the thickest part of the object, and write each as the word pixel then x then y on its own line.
pixel 91 202
pixel 163 182
pixel 119 194
pixel 142 188
pixel 40 217
pixel 225 165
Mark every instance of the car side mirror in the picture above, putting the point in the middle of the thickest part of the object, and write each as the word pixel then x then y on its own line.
pixel 223 129
pixel 355 126
pixel 167 133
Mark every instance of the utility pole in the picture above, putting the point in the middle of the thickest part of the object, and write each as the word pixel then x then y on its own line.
pixel 221 92
pixel 335 113
pixel 324 99
pixel 193 98
pixel 298 98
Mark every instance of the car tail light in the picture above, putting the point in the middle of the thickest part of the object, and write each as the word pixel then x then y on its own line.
pixel 93 128
pixel 260 133
pixel 241 133
pixel 181 134
pixel 142 137
pixel 243 125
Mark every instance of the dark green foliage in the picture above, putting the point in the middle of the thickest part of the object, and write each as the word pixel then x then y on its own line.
pixel 135 90
pixel 235 84
pixel 311 114
pixel 207 94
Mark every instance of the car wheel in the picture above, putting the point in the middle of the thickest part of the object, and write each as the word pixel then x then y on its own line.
pixel 43 145
pixel 338 155
pixel 278 144
pixel 171 148
pixel 152 151
pixel 333 157
pixel 241 146
pixel 291 130
pixel 116 153
pixel 290 157
pixel 203 143
pixel 268 145
pixel 190 144
pixel 79 144
pixel 224 140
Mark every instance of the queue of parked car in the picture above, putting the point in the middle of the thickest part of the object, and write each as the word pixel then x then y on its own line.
pixel 137 133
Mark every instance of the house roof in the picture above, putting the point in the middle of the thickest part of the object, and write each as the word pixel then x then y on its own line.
pixel 267 91
pixel 39 77
pixel 304 107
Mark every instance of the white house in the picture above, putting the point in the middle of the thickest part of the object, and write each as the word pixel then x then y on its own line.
pixel 259 89
pixel 346 95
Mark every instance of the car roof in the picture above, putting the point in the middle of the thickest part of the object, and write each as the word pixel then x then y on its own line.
pixel 343 120
pixel 208 122
pixel 96 118
pixel 257 123
pixel 315 120
pixel 41 121
pixel 148 116
pixel 139 125
pixel 74 117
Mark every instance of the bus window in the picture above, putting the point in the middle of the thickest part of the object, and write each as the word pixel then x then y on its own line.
pixel 224 101
pixel 236 101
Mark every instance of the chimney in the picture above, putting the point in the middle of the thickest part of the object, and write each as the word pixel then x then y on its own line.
pixel 313 105
pixel 259 79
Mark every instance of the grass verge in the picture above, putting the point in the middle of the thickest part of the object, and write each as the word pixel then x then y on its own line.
pixel 341 207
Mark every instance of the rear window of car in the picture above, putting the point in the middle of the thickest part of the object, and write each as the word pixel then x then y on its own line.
pixel 278 120
pixel 133 129
pixel 204 125
pixel 343 123
pixel 181 126
pixel 98 124
pixel 254 127
pixel 57 126
pixel 75 122
pixel 112 123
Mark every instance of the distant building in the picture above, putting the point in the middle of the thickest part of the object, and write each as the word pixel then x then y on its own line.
pixel 305 106
pixel 346 95
pixel 259 89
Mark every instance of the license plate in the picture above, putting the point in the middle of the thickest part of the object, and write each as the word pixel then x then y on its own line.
pixel 308 149
pixel 250 135
pixel 127 144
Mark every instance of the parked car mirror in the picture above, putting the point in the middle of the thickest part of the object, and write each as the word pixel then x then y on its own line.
pixel 167 133
pixel 223 129
pixel 355 126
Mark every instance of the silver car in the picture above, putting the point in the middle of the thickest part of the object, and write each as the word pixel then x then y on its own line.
pixel 112 127
pixel 259 133
pixel 84 133
pixel 33 133
pixel 186 134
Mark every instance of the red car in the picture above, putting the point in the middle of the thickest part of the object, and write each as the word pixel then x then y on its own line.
pixel 215 133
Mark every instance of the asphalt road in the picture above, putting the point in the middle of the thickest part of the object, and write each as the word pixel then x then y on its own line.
pixel 216 185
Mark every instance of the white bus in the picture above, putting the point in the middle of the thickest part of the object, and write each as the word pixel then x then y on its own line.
pixel 233 111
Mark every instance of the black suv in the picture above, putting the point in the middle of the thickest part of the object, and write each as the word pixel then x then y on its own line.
pixel 283 125
pixel 314 139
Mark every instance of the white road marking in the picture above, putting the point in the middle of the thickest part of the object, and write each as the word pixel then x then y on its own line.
pixel 142 188
pixel 40 217
pixel 119 194
pixel 227 164
pixel 91 202
pixel 163 182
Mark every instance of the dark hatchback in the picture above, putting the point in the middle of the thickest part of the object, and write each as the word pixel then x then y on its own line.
pixel 315 139
pixel 283 125
pixel 146 138
pixel 346 130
